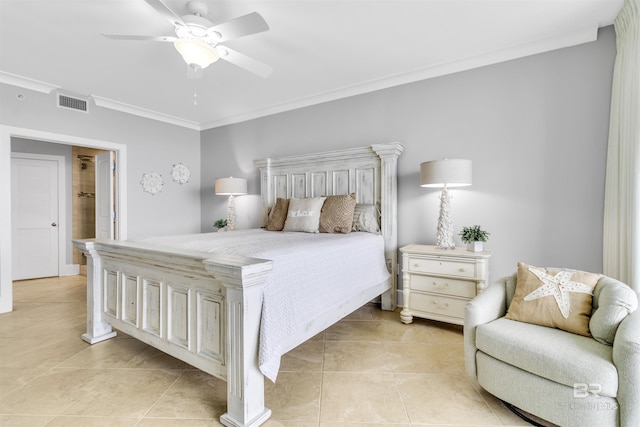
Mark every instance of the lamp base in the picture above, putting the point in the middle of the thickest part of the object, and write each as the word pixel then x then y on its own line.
pixel 444 236
pixel 231 214
pixel 445 248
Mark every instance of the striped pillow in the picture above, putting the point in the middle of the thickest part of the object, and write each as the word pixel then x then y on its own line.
pixel 366 218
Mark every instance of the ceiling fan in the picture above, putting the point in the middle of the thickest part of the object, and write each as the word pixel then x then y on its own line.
pixel 198 40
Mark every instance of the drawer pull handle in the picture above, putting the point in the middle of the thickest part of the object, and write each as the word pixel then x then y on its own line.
pixel 416 264
pixel 441 306
pixel 462 269
pixel 443 286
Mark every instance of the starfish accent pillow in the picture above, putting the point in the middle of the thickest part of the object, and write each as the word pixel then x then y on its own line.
pixel 555 298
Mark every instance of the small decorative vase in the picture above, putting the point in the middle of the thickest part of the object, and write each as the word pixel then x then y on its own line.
pixel 475 246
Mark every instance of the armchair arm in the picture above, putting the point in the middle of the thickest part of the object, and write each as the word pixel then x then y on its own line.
pixel 491 304
pixel 626 358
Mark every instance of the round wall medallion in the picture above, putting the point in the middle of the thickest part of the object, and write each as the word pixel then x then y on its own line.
pixel 180 173
pixel 152 183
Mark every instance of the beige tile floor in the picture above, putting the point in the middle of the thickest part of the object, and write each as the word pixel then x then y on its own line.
pixel 368 370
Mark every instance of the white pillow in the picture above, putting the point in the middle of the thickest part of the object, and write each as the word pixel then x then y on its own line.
pixel 304 214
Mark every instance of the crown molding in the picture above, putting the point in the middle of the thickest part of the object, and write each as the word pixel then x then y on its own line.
pixel 26 83
pixel 43 87
pixel 142 112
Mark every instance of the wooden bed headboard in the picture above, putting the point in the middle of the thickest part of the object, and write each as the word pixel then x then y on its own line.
pixel 370 172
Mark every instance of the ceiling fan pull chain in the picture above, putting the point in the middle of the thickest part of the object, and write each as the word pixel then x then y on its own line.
pixel 195 93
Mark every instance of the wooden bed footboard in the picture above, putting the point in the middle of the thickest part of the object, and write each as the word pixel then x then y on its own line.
pixel 203 311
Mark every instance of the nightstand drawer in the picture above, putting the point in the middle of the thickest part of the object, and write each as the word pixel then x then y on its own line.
pixel 441 267
pixel 444 306
pixel 441 285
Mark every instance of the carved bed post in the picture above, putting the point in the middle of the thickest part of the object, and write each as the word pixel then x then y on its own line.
pixel 389 154
pixel 244 283
pixel 97 329
pixel 267 194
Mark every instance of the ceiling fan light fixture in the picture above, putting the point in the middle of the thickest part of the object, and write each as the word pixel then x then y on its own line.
pixel 196 52
pixel 196 25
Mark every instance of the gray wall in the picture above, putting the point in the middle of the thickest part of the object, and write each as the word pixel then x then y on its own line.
pixel 151 146
pixel 536 129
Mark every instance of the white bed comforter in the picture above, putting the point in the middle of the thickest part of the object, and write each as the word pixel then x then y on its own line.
pixel 311 273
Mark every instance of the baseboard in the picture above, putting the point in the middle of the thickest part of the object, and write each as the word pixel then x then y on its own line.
pixel 69 270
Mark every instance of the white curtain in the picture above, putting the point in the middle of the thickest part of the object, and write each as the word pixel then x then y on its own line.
pixel 621 245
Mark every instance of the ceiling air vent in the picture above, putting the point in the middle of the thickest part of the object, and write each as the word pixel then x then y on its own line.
pixel 72 103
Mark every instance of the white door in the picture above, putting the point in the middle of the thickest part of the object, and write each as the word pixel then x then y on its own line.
pixel 34 218
pixel 105 209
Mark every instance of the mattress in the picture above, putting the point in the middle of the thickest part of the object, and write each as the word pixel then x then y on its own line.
pixel 311 273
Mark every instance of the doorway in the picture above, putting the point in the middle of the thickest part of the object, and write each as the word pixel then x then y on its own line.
pixel 54 201
pixel 7 133
pixel 86 196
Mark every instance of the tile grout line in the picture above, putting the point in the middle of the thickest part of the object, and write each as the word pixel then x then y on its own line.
pixel 324 352
pixel 184 371
pixel 391 370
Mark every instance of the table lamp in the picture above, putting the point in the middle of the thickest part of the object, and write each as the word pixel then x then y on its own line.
pixel 231 187
pixel 443 174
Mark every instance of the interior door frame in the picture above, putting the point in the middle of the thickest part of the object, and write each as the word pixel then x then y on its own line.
pixel 63 270
pixel 8 132
pixel 102 195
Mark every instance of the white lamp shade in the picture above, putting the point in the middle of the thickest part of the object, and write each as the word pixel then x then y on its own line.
pixel 196 52
pixel 449 172
pixel 231 186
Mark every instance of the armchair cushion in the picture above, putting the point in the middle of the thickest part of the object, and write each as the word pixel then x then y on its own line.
pixel 612 302
pixel 554 354
pixel 553 297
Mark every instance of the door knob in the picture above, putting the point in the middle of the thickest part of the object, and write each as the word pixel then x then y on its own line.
pixel 53 224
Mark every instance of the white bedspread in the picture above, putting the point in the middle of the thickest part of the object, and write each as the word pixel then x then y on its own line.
pixel 311 273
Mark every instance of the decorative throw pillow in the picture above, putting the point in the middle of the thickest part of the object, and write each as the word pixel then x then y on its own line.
pixel 304 214
pixel 337 214
pixel 366 218
pixel 553 297
pixel 278 215
pixel 612 302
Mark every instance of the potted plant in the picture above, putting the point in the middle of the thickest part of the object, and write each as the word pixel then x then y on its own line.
pixel 220 225
pixel 474 237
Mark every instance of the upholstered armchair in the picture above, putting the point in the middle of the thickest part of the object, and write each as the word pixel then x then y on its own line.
pixel 565 378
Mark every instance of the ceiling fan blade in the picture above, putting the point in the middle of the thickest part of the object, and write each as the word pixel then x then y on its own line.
pixel 243 61
pixel 169 14
pixel 239 27
pixel 142 38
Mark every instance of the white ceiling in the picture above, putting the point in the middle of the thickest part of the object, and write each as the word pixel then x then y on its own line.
pixel 319 49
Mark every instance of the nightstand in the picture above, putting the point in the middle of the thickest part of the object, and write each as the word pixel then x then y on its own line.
pixel 438 283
